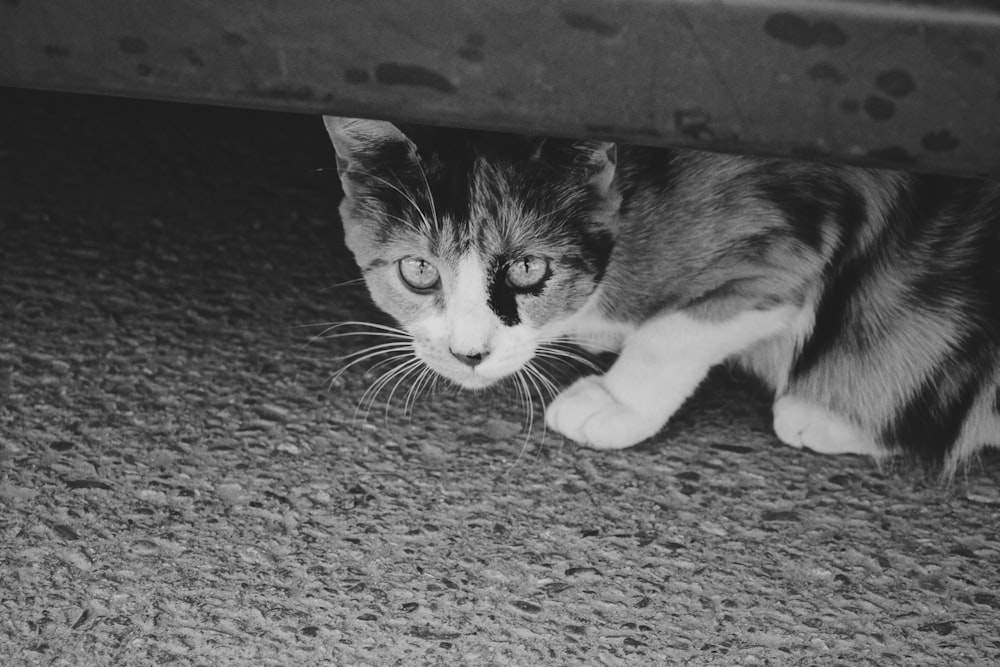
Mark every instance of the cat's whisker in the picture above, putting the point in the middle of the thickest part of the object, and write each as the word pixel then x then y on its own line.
pixel 430 195
pixel 553 392
pixel 380 383
pixel 579 343
pixel 330 326
pixel 379 330
pixel 373 334
pixel 434 384
pixel 395 359
pixel 400 352
pixel 346 283
pixel 415 388
pixel 546 382
pixel 525 395
pixel 373 351
pixel 405 363
pixel 526 379
pixel 547 369
pixel 388 360
pixel 402 221
pixel 402 193
pixel 410 370
pixel 567 358
pixel 526 403
pixel 413 203
pixel 429 385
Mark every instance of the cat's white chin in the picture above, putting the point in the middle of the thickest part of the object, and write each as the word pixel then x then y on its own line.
pixel 472 379
pixel 475 382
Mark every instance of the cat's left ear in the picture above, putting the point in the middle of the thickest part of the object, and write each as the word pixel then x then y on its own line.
pixel 595 160
pixel 356 137
pixel 604 161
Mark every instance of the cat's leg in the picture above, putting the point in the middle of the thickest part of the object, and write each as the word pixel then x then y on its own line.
pixel 799 423
pixel 660 365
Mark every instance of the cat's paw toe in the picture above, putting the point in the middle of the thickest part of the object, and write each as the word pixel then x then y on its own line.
pixel 802 424
pixel 587 413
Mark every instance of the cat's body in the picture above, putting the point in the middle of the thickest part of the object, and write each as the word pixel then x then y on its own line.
pixel 868 300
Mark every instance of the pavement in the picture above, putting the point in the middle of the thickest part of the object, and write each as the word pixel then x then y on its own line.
pixel 184 481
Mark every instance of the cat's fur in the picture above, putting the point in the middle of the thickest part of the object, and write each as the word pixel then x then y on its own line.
pixel 868 300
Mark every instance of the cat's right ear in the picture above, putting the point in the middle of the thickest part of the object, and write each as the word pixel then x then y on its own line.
pixel 354 138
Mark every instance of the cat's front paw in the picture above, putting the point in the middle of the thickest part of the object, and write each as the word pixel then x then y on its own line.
pixel 587 413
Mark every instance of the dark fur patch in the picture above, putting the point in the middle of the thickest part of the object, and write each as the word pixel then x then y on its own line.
pixel 502 299
pixel 851 269
pixel 831 312
pixel 928 425
pixel 809 200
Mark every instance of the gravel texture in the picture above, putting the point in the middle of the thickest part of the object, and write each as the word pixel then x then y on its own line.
pixel 181 482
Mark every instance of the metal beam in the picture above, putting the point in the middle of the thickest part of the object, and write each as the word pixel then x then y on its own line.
pixel 897 83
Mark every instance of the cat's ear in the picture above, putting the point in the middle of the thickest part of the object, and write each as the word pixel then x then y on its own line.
pixel 595 160
pixel 355 138
pixel 604 161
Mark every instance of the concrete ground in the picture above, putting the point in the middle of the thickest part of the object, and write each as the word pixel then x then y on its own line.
pixel 181 483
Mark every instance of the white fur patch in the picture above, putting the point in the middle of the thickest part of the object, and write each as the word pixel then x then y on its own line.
pixel 660 365
pixel 801 424
pixel 771 358
pixel 471 323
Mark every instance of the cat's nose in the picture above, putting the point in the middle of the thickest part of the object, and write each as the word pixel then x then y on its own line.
pixel 470 359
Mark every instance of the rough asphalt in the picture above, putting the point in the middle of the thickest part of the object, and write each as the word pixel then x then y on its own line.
pixel 181 483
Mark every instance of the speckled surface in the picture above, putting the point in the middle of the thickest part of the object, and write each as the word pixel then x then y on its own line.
pixel 181 484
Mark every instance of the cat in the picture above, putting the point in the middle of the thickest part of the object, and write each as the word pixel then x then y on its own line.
pixel 868 300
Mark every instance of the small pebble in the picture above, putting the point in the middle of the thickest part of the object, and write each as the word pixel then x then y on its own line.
pixel 987 599
pixel 984 494
pixel 87 484
pixel 499 429
pixel 527 607
pixel 583 572
pixel 713 528
pixel 65 532
pixel 81 619
pixel 427 633
pixel 779 515
pixel 78 558
pixel 11 492
pixel 230 492
pixel 555 587
pixel 272 412
pixel 145 547
pixel 432 452
pixel 288 448
pixel 942 628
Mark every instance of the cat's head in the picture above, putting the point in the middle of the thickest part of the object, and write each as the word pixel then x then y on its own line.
pixel 481 245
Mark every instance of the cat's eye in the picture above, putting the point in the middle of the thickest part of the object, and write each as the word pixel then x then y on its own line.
pixel 418 274
pixel 527 272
